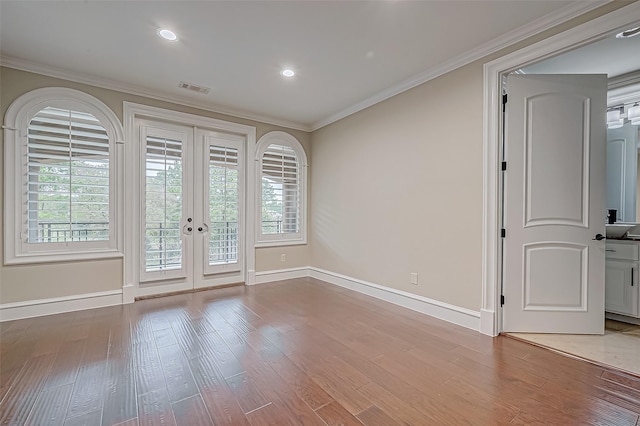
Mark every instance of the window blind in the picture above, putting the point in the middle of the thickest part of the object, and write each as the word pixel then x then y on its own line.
pixel 163 204
pixel 223 205
pixel 280 190
pixel 67 177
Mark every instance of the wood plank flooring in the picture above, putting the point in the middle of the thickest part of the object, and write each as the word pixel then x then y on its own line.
pixel 296 352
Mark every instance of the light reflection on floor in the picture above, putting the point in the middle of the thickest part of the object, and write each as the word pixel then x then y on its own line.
pixel 618 347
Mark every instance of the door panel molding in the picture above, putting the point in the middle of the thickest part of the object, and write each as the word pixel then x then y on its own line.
pixel 553 172
pixel 551 252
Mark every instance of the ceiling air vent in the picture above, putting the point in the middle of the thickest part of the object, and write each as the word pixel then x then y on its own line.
pixel 194 87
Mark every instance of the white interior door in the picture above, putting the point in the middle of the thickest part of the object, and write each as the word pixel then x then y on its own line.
pixel 554 204
pixel 192 185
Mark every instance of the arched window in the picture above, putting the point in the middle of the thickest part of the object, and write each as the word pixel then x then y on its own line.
pixel 282 190
pixel 60 174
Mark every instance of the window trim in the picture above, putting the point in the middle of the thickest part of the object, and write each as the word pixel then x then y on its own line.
pixel 300 238
pixel 17 119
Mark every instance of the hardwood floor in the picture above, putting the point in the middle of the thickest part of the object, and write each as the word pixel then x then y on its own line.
pixel 297 352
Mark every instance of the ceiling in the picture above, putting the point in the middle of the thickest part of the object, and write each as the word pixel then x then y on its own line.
pixel 612 56
pixel 347 55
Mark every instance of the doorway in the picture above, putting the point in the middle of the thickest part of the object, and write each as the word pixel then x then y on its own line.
pixel 610 350
pixel 192 190
pixel 189 209
pixel 491 312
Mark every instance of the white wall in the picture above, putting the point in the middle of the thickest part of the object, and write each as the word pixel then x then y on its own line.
pixel 397 188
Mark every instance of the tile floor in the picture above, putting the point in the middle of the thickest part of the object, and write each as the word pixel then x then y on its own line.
pixel 618 347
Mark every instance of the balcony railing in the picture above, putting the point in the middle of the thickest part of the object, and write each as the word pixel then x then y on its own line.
pixel 164 244
pixel 223 242
pixel 272 226
pixel 62 232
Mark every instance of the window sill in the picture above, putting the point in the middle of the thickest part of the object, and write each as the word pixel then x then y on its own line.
pixel 32 258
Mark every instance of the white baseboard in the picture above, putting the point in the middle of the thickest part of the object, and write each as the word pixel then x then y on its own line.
pixel 280 274
pixel 488 324
pixel 444 311
pixel 251 277
pixel 58 305
pixel 128 294
pixel 622 318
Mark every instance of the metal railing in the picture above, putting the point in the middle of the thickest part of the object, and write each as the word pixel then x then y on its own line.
pixel 62 232
pixel 223 242
pixel 272 226
pixel 164 244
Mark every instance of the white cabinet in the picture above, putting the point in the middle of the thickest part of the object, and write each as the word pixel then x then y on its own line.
pixel 621 278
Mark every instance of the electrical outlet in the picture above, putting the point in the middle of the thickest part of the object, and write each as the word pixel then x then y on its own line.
pixel 283 257
pixel 414 278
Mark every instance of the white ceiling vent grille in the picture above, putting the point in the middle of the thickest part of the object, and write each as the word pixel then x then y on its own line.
pixel 194 87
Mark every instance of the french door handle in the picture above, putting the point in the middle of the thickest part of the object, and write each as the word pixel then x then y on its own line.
pixel 186 229
pixel 203 228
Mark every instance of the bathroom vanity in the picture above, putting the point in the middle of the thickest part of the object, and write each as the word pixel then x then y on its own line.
pixel 622 273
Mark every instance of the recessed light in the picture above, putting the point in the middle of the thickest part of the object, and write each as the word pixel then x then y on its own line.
pixel 288 73
pixel 629 33
pixel 167 34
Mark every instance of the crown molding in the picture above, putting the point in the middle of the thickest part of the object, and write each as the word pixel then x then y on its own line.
pixel 632 78
pixel 571 11
pixel 105 83
pixel 624 89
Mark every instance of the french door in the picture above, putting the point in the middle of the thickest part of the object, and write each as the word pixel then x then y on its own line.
pixel 192 188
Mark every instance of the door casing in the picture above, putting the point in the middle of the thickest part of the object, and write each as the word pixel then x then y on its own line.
pixel 490 313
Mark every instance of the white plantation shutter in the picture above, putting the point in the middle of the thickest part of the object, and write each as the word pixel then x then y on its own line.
pixel 280 190
pixel 63 198
pixel 68 185
pixel 163 204
pixel 282 180
pixel 223 205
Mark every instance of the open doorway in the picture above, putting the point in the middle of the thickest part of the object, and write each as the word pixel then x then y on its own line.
pixel 566 47
pixel 619 346
pixel 614 56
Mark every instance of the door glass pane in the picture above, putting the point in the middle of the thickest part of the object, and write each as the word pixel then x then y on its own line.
pixel 223 205
pixel 163 204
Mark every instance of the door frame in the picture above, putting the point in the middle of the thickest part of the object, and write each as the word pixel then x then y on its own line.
pixel 132 111
pixel 594 30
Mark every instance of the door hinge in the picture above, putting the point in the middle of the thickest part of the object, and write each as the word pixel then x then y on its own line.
pixel 502 300
pixel 504 102
pixel 504 166
pixel 503 233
